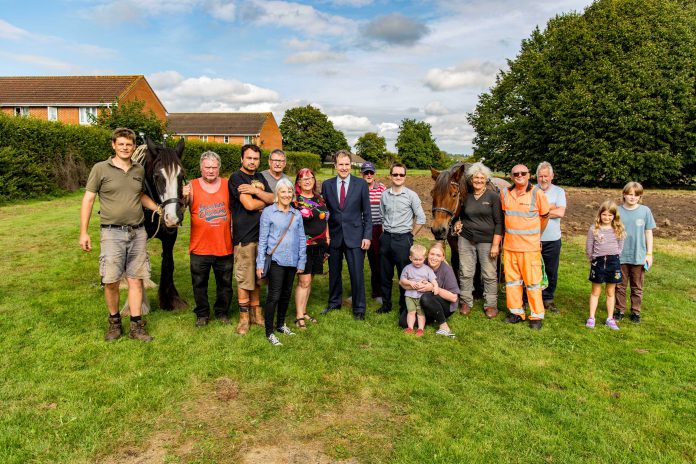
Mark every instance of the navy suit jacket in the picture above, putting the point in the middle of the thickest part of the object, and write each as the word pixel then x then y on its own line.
pixel 353 223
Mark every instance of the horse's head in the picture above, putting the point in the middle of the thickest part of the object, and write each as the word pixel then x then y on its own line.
pixel 447 198
pixel 165 173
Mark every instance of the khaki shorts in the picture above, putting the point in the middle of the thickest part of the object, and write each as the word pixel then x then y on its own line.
pixel 123 252
pixel 414 305
pixel 245 265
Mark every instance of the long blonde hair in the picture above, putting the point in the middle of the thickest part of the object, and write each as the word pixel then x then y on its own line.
pixel 616 223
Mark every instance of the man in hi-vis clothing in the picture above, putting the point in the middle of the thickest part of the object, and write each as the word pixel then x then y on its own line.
pixel 526 212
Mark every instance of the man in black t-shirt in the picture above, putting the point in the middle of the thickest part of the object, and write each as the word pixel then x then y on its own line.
pixel 249 195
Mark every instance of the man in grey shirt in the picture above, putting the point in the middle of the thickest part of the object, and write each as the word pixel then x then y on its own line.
pixel 398 205
pixel 276 166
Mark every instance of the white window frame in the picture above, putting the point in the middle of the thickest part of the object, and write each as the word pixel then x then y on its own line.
pixel 203 138
pixel 52 113
pixel 226 139
pixel 248 139
pixel 22 111
pixel 85 111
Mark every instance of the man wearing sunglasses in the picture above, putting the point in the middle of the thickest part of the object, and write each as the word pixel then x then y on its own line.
pixel 399 205
pixel 276 166
pixel 526 210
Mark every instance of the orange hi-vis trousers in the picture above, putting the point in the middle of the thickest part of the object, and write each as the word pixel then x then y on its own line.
pixel 523 268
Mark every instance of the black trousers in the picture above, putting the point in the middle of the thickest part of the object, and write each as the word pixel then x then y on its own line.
pixel 435 308
pixel 200 273
pixel 374 259
pixel 279 291
pixel 551 252
pixel 393 252
pixel 356 264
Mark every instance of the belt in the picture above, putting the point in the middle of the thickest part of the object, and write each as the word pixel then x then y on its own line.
pixel 120 227
pixel 396 233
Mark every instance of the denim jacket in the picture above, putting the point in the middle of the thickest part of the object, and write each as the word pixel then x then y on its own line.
pixel 292 251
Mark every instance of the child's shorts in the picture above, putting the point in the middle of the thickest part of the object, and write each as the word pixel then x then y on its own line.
pixel 414 304
pixel 606 270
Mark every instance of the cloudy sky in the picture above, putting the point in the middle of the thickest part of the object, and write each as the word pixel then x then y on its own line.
pixel 366 63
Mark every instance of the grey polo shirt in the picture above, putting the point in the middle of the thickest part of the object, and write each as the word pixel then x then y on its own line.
pixel 399 209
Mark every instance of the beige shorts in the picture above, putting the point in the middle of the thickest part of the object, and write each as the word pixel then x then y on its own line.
pixel 414 305
pixel 123 252
pixel 245 265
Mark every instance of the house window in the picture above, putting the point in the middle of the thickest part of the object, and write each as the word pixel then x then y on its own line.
pixel 85 113
pixel 248 139
pixel 226 139
pixel 203 138
pixel 21 111
pixel 52 113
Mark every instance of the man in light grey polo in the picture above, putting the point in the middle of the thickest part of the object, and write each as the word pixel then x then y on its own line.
pixel 399 205
pixel 276 166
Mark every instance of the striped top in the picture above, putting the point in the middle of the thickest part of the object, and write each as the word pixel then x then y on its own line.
pixel 375 195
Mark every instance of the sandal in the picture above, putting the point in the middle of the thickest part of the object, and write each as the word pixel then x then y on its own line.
pixel 309 318
pixel 300 323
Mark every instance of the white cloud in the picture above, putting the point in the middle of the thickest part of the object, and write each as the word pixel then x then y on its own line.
pixel 314 57
pixel 38 60
pixel 395 29
pixel 435 108
pixel 350 123
pixel 470 73
pixel 304 18
pixel 224 10
pixel 134 10
pixel 387 128
pixel 10 32
pixel 351 2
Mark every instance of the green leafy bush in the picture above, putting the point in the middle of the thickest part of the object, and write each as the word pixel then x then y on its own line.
pixel 21 177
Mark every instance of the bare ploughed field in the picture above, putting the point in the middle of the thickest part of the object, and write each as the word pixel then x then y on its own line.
pixel 674 210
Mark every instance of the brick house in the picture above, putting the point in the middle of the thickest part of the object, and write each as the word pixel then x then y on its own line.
pixel 237 128
pixel 71 99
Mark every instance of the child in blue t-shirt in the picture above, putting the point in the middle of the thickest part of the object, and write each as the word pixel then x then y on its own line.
pixel 637 254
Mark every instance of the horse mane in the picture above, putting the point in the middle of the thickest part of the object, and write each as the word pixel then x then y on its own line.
pixel 442 182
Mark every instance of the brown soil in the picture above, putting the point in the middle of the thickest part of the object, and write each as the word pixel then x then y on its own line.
pixel 673 209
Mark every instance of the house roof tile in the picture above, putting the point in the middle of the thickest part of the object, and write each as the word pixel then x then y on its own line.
pixel 64 90
pixel 216 123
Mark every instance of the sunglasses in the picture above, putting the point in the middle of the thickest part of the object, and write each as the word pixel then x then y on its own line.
pixel 369 173
pixel 398 175
pixel 520 174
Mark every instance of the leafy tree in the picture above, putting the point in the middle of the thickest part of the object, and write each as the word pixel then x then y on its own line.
pixel 307 129
pixel 131 114
pixel 372 147
pixel 607 96
pixel 416 146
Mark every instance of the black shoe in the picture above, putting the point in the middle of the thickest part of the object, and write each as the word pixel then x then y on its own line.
pixel 383 310
pixel 328 310
pixel 201 322
pixel 224 320
pixel 513 319
pixel 618 316
pixel 535 324
pixel 359 316
pixel 551 307
pixel 635 318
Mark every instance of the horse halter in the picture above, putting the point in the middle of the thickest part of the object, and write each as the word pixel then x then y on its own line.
pixel 450 211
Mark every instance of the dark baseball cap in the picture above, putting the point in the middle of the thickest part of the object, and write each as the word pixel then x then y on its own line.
pixel 367 166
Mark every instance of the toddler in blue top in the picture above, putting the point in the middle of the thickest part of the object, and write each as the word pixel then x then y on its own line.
pixel 413 278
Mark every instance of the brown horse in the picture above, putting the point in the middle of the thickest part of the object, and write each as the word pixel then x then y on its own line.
pixel 449 194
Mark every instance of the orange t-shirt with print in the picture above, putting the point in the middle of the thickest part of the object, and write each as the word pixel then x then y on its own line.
pixel 210 221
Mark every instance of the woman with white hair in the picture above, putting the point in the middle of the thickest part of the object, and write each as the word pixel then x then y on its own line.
pixel 480 233
pixel 282 243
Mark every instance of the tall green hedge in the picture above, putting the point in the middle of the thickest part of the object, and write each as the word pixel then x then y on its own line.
pixel 41 157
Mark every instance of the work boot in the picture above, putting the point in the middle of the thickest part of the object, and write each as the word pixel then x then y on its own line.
pixel 243 326
pixel 258 318
pixel 491 311
pixel 551 306
pixel 115 329
pixel 139 332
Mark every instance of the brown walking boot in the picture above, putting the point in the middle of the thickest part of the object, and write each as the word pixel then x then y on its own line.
pixel 243 326
pixel 115 329
pixel 464 310
pixel 258 318
pixel 139 332
pixel 491 312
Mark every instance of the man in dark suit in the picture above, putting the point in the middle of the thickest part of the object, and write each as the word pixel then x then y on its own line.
pixel 350 229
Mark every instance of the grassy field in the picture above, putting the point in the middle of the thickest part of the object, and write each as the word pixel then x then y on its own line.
pixel 342 390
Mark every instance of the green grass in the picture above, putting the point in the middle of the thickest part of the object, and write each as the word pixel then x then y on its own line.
pixel 497 393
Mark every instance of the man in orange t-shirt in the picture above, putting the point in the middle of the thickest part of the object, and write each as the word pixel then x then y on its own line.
pixel 526 212
pixel 211 239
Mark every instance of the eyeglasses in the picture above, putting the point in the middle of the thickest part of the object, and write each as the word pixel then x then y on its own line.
pixel 368 173
pixel 520 174
pixel 277 161
pixel 305 179
pixel 398 174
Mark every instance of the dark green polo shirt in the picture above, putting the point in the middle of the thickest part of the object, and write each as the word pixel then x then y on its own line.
pixel 119 192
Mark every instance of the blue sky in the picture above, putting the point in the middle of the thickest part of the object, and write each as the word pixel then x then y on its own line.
pixel 366 63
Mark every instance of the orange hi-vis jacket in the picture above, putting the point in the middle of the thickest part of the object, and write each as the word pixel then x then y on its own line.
pixel 523 218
